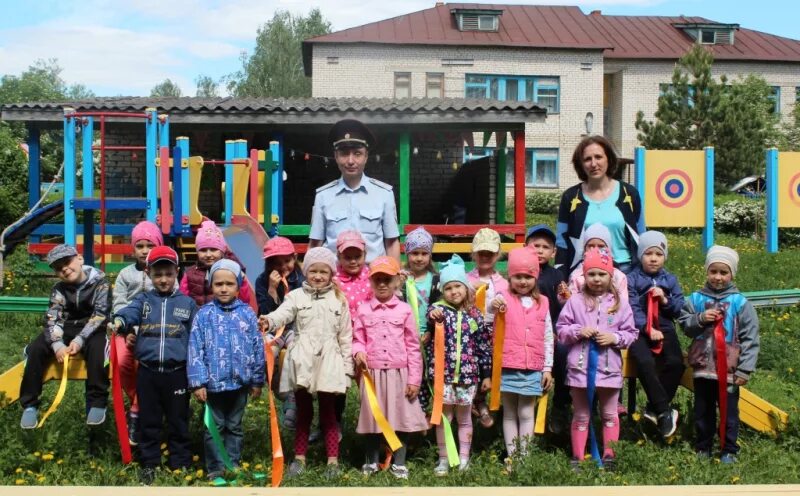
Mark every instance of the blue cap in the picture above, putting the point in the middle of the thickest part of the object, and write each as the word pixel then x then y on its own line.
pixel 225 264
pixel 541 228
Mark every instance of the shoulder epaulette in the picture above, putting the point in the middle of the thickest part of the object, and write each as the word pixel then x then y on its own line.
pixel 381 184
pixel 326 186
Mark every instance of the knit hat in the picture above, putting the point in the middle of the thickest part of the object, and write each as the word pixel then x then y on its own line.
pixel 162 254
pixel 350 239
pixel 453 270
pixel 419 239
pixel 319 255
pixel 225 264
pixel 384 265
pixel 486 240
pixel 651 239
pixel 598 259
pixel 210 236
pixel 278 246
pixel 725 255
pixel 523 261
pixel 596 231
pixel 147 231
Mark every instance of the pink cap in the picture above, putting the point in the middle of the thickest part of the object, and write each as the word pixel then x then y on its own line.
pixel 147 231
pixel 598 259
pixel 350 239
pixel 523 261
pixel 210 236
pixel 278 246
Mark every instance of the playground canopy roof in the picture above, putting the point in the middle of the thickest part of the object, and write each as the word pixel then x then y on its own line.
pixel 453 113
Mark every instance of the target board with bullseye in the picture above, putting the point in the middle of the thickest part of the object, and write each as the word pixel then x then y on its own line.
pixel 674 188
pixel 789 189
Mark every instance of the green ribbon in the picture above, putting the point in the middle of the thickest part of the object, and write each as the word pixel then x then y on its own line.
pixel 212 429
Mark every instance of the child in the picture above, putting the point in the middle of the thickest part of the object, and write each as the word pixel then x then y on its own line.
pixel 485 254
pixel 596 323
pixel 210 246
pixel 164 317
pixel 320 360
pixel 657 352
pixel 421 287
pixel 597 236
pixel 552 284
pixel 719 307
pixel 280 264
pixel 352 273
pixel 468 357
pixel 226 362
pixel 74 322
pixel 527 348
pixel 131 281
pixel 385 341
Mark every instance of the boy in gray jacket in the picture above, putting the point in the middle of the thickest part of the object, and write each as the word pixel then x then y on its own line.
pixel 719 309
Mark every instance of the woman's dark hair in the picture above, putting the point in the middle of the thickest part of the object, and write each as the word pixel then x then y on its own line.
pixel 577 156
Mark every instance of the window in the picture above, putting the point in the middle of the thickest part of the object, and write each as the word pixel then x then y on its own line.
pixel 487 23
pixel 797 94
pixel 434 85
pixel 477 19
pixel 665 89
pixel 402 85
pixel 707 36
pixel 775 99
pixel 541 165
pixel 544 91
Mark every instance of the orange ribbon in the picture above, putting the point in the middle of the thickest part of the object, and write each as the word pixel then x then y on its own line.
pixel 652 322
pixel 480 298
pixel 275 435
pixel 497 359
pixel 438 374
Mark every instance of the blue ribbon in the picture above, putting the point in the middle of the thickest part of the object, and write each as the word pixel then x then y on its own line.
pixel 591 377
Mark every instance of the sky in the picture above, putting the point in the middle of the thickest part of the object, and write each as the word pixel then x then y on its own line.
pixel 127 47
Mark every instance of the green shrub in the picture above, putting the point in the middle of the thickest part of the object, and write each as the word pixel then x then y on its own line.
pixel 745 218
pixel 542 203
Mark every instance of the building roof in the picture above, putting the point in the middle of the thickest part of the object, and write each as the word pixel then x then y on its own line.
pixel 560 27
pixel 297 111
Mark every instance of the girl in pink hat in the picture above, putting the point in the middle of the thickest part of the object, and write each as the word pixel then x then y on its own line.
pixel 527 359
pixel 210 246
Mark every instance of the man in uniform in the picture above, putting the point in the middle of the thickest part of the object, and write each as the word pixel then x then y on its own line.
pixel 355 201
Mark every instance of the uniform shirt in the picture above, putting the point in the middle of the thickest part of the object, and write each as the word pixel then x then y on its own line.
pixel 368 209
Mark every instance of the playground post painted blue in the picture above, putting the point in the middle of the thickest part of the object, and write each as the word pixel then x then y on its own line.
pixel 240 150
pixel 276 173
pixel 230 153
pixel 181 227
pixel 34 166
pixel 151 139
pixel 69 177
pixel 772 199
pixel 638 161
pixel 88 163
pixel 708 230
pixel 177 191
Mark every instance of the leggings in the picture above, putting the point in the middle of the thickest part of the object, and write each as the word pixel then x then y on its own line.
pixel 327 420
pixel 374 442
pixel 580 420
pixel 463 414
pixel 518 420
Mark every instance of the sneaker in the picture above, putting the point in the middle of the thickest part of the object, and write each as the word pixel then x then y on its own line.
pixel 668 422
pixel 728 459
pixel 369 468
pixel 703 455
pixel 290 419
pixel 463 464
pixel 147 475
pixel 314 436
pixel 609 463
pixel 296 468
pixel 399 471
pixel 575 465
pixel 133 429
pixel 442 468
pixel 622 410
pixel 485 418
pixel 332 471
pixel 651 416
pixel 96 416
pixel 509 464
pixel 30 418
pixel 559 420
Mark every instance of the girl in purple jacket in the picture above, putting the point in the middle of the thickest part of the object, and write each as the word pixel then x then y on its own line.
pixel 527 349
pixel 596 323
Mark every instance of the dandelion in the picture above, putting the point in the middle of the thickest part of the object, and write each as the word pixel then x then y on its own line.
pixel 636 416
pixel 163 446
pixel 19 482
pixel 47 457
pixel 734 479
pixel 59 461
pixel 199 472
pixel 40 478
pixel 259 466
pixel 245 465
pixel 37 454
pixel 195 458
pixel 188 478
pixel 177 471
pixel 18 470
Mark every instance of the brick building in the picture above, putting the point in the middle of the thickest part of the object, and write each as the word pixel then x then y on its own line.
pixel 592 72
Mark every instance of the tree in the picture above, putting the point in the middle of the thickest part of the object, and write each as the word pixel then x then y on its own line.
pixel 206 87
pixel 166 88
pixel 275 69
pixel 695 111
pixel 790 132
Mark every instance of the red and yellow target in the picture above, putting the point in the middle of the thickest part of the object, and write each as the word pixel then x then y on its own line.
pixel 674 188
pixel 789 189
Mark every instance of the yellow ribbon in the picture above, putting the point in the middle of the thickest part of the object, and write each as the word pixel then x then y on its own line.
pixel 61 390
pixel 380 419
pixel 497 359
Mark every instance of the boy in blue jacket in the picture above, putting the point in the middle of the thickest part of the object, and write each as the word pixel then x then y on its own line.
pixel 657 352
pixel 164 316
pixel 226 361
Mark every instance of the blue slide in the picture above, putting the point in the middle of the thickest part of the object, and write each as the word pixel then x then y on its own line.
pixel 21 229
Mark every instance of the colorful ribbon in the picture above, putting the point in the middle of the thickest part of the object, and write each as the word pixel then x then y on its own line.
pixel 652 322
pixel 208 419
pixel 591 378
pixel 438 395
pixel 412 299
pixel 377 413
pixel 119 404
pixel 497 359
pixel 61 390
pixel 480 298
pixel 722 378
pixel 275 435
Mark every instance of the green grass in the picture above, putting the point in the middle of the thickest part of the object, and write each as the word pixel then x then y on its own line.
pixel 643 457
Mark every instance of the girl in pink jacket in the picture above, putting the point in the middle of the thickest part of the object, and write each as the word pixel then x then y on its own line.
pixel 527 349
pixel 386 343
pixel 596 323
